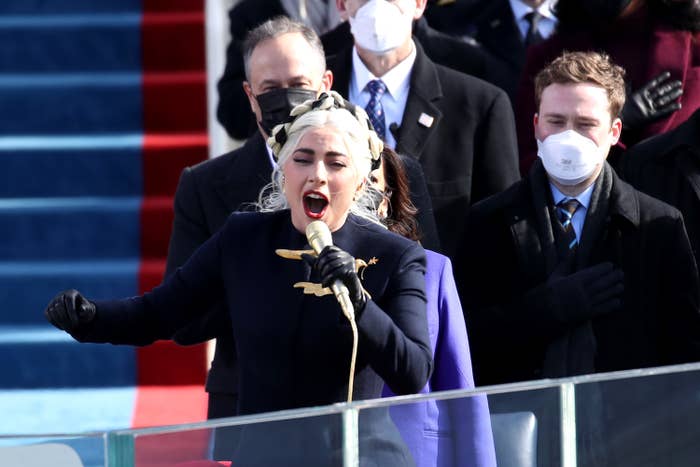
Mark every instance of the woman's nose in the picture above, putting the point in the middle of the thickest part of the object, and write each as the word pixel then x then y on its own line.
pixel 318 173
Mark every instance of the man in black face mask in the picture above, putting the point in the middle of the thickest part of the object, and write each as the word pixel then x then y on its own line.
pixel 283 69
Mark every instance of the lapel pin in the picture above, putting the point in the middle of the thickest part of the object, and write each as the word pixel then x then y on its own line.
pixel 426 120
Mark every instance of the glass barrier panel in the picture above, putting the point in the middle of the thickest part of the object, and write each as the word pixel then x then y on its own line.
pixel 306 438
pixel 87 450
pixel 519 428
pixel 633 418
pixel 643 421
pixel 531 419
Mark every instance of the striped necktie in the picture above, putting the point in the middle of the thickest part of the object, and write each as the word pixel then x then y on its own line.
pixel 374 109
pixel 565 213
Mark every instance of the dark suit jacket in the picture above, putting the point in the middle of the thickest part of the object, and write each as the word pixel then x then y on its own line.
pixel 667 167
pixel 507 254
pixel 496 30
pixel 206 195
pixel 469 151
pixel 294 348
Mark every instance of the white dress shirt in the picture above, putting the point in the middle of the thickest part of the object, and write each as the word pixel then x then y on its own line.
pixel 397 86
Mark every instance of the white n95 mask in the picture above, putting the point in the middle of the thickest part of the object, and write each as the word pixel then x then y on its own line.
pixel 569 157
pixel 379 26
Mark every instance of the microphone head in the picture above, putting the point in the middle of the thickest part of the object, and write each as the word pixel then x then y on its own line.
pixel 319 235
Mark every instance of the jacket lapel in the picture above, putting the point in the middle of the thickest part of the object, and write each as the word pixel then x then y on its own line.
pixel 421 117
pixel 247 173
pixel 533 240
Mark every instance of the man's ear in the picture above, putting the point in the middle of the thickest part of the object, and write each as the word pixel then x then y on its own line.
pixel 327 81
pixel 420 8
pixel 251 97
pixel 535 123
pixel 616 130
pixel 342 9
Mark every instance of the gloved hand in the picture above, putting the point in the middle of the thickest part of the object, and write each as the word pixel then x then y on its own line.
pixel 652 102
pixel 334 264
pixel 581 296
pixel 69 310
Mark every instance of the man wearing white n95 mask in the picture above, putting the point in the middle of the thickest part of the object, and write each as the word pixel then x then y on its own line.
pixel 459 128
pixel 571 270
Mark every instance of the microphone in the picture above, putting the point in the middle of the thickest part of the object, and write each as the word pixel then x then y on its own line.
pixel 319 236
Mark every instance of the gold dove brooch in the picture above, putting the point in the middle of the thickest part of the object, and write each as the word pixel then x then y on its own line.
pixel 311 288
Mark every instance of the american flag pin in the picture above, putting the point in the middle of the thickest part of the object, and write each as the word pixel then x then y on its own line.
pixel 426 120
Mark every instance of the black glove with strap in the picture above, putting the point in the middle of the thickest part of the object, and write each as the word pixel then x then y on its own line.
pixel 334 264
pixel 652 102
pixel 566 300
pixel 70 311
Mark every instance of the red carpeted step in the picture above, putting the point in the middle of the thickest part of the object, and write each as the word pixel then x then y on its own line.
pixel 170 405
pixel 174 102
pixel 164 157
pixel 156 224
pixel 175 125
pixel 150 273
pixel 173 41
pixel 172 5
pixel 166 363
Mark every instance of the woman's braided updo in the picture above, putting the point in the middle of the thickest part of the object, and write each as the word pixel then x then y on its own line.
pixel 329 109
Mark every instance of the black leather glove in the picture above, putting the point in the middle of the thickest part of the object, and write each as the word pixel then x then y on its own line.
pixel 334 264
pixel 581 296
pixel 69 310
pixel 652 102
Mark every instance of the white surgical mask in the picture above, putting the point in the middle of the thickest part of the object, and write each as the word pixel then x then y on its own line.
pixel 380 26
pixel 569 157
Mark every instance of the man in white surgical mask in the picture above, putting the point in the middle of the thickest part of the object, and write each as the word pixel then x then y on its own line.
pixel 458 127
pixel 571 270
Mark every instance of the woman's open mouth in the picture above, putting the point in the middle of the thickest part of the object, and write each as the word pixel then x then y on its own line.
pixel 315 204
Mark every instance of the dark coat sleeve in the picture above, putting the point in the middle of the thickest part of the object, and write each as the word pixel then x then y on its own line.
pixel 680 335
pixel 395 336
pixel 184 295
pixel 508 329
pixel 496 167
pixel 189 226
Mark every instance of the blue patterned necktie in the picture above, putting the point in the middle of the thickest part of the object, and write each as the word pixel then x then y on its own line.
pixel 374 109
pixel 565 213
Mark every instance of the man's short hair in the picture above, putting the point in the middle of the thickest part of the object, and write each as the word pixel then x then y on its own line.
pixel 275 27
pixel 585 67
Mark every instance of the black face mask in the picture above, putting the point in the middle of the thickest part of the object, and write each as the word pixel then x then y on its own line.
pixel 606 10
pixel 275 105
